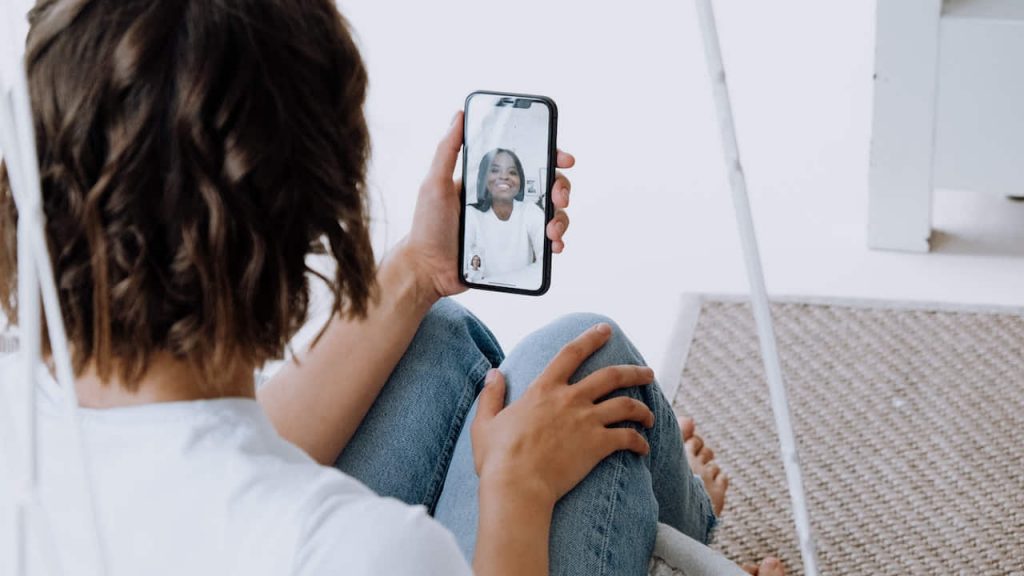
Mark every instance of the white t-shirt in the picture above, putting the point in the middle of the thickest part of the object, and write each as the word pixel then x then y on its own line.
pixel 209 487
pixel 505 245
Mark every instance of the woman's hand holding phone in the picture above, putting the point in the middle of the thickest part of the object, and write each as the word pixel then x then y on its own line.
pixel 432 245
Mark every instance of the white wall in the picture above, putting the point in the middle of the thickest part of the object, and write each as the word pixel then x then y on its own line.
pixel 650 206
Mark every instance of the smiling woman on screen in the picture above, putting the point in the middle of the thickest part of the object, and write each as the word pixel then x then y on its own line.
pixel 505 230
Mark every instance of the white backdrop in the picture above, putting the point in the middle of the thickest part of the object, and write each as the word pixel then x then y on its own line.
pixel 650 207
pixel 651 215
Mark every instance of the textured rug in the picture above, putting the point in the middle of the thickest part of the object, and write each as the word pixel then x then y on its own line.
pixel 910 422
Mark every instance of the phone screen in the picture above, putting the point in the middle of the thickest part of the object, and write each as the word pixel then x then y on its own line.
pixel 507 172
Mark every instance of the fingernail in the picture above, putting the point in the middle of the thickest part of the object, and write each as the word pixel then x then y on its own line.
pixel 454 117
pixel 491 375
pixel 603 328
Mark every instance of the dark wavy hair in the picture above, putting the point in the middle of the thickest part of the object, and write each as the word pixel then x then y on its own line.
pixel 483 195
pixel 193 153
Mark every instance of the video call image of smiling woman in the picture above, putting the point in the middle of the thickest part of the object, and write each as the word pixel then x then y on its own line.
pixel 504 243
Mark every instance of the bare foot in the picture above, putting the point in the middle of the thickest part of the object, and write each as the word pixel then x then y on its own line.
pixel 700 457
pixel 716 483
pixel 769 567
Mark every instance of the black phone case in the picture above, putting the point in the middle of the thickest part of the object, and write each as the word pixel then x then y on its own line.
pixel 549 210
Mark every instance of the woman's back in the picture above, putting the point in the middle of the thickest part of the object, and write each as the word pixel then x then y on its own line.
pixel 209 487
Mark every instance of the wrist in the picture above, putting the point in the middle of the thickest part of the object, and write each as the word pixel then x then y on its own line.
pixel 405 266
pixel 517 489
pixel 514 527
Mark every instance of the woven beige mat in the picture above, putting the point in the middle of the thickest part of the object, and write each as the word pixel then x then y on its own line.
pixel 910 424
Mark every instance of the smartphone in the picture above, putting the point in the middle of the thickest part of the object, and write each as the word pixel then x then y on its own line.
pixel 508 169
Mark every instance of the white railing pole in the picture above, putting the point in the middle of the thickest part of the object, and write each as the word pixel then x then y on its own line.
pixel 29 350
pixel 759 293
pixel 35 279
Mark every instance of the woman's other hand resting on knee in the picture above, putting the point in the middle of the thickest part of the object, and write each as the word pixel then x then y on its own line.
pixel 531 453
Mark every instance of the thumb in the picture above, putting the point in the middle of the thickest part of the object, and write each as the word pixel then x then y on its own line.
pixel 492 399
pixel 447 152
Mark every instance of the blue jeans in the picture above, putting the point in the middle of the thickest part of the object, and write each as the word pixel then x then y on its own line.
pixel 414 445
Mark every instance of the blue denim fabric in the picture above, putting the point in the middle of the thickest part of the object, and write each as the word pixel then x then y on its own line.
pixel 414 445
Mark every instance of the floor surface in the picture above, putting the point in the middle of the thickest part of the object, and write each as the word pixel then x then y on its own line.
pixel 907 422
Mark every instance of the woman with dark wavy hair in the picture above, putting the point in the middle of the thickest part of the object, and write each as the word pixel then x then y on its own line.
pixel 193 155
pixel 506 233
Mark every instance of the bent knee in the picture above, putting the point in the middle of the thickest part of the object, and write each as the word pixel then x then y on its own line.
pixel 580 322
pixel 617 350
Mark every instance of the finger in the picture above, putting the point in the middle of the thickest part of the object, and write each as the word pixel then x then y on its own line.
pixel 749 569
pixel 624 409
pixel 569 358
pixel 561 190
pixel 447 152
pixel 565 160
pixel 607 380
pixel 558 225
pixel 625 439
pixel 560 198
pixel 558 247
pixel 492 398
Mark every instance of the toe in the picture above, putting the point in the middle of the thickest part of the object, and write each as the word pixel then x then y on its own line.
pixel 694 445
pixel 706 455
pixel 770 567
pixel 687 427
pixel 713 470
pixel 749 569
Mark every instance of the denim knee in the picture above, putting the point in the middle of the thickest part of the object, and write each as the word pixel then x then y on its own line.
pixel 617 350
pixel 583 320
pixel 621 518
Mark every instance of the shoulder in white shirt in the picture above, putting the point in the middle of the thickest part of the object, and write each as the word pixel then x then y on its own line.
pixel 209 487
